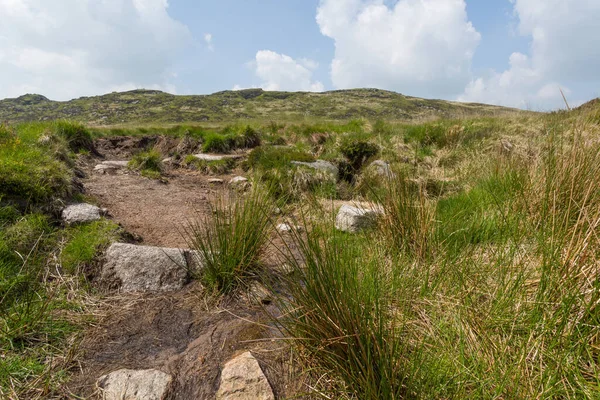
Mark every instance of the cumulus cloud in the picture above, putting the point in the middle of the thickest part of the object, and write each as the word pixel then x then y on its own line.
pixel 565 49
pixel 208 37
pixel 282 72
pixel 96 47
pixel 419 47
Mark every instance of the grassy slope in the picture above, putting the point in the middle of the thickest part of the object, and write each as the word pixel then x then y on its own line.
pixel 42 289
pixel 143 106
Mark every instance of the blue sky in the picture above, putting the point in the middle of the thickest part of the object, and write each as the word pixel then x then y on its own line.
pixel 509 52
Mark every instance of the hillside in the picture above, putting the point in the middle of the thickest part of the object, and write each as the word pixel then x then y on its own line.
pixel 149 106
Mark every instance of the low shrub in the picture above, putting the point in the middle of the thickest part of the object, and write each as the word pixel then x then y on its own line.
pixel 358 152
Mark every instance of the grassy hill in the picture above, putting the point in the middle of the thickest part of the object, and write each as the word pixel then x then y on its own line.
pixel 150 106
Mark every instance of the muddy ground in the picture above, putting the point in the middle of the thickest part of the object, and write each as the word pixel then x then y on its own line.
pixel 186 333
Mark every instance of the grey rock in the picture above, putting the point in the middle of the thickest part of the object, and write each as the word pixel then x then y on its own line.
pixel 81 213
pixel 319 165
pixel 382 168
pixel 239 182
pixel 354 219
pixel 216 157
pixel 145 268
pixel 243 379
pixel 116 164
pixel 127 384
pixel 216 181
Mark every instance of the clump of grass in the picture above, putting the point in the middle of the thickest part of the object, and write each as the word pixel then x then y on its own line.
pixel 83 242
pixel 408 216
pixel 218 167
pixel 338 313
pixel 231 240
pixel 29 172
pixel 149 163
pixel 227 140
pixel 78 137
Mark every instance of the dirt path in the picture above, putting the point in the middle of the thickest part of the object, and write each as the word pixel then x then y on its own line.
pixel 156 212
pixel 181 333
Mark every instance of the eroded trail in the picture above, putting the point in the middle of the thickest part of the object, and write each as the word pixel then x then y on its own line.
pixel 181 333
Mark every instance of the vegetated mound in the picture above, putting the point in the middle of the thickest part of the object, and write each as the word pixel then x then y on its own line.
pixel 144 106
pixel 590 105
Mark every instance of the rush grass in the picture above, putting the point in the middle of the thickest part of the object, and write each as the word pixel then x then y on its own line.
pixel 491 292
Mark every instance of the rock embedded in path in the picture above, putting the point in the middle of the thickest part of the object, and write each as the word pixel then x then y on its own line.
pixel 216 157
pixel 110 167
pixel 146 268
pixel 216 181
pixel 239 182
pixel 355 219
pixel 127 384
pixel 320 165
pixel 81 213
pixel 243 379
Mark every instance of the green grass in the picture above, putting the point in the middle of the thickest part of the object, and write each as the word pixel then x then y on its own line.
pixel 488 292
pixel 33 170
pixel 148 163
pixel 83 243
pixel 232 239
pixel 40 305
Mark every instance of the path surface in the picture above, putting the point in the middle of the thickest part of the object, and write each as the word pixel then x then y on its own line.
pixel 155 211
pixel 183 333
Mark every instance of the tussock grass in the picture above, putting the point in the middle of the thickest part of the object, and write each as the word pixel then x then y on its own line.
pixel 489 292
pixel 231 240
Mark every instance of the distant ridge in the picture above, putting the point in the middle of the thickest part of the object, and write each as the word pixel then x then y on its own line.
pixel 153 106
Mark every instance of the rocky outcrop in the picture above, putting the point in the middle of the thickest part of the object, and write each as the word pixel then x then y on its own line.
pixel 243 379
pixel 355 219
pixel 81 213
pixel 127 384
pixel 147 269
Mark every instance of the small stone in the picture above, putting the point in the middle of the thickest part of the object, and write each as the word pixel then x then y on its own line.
pixel 354 219
pixel 243 379
pixel 289 228
pixel 145 268
pixel 127 384
pixel 216 181
pixel 80 213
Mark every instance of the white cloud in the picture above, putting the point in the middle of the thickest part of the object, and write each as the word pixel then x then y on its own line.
pixel 208 37
pixel 565 49
pixel 96 47
pixel 419 47
pixel 282 72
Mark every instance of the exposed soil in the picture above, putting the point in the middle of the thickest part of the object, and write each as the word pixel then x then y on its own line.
pixel 184 333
